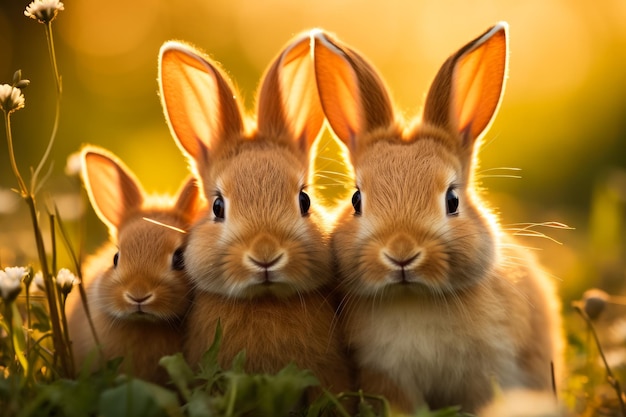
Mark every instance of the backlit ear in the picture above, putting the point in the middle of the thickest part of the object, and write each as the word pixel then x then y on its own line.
pixel 189 200
pixel 353 96
pixel 113 190
pixel 467 90
pixel 198 100
pixel 288 102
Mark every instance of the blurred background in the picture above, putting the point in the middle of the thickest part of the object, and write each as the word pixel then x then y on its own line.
pixel 562 121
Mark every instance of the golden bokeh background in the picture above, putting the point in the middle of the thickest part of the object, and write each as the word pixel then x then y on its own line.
pixel 562 121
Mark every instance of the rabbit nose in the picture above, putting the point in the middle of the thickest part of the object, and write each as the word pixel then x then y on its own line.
pixel 265 264
pixel 404 262
pixel 401 251
pixel 138 298
pixel 265 252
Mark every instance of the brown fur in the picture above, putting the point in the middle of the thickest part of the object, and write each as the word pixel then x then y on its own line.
pixel 144 269
pixel 462 308
pixel 281 312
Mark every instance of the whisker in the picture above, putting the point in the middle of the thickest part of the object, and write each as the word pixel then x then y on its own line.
pixel 499 169
pixel 480 177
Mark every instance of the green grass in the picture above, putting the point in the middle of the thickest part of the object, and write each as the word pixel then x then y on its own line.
pixel 36 367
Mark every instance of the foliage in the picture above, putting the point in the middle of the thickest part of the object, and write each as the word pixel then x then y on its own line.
pixel 36 367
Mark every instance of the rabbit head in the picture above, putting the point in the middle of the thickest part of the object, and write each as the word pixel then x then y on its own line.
pixel 144 278
pixel 260 235
pixel 417 224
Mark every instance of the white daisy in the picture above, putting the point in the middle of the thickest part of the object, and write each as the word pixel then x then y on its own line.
pixel 11 98
pixel 66 280
pixel 43 11
pixel 38 284
pixel 11 282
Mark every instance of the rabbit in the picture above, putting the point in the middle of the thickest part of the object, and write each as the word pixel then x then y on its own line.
pixel 439 304
pixel 259 258
pixel 137 290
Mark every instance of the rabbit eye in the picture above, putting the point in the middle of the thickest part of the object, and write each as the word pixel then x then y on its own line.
pixel 305 203
pixel 219 207
pixel 178 260
pixel 116 258
pixel 356 202
pixel 452 202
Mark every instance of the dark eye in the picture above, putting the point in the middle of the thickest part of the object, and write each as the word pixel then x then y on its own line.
pixel 305 203
pixel 218 208
pixel 356 202
pixel 452 202
pixel 178 261
pixel 116 258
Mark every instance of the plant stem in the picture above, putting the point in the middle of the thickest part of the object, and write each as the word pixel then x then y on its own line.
pixel 57 336
pixel 57 114
pixel 81 289
pixel 613 382
pixel 29 323
pixel 8 313
pixel 16 171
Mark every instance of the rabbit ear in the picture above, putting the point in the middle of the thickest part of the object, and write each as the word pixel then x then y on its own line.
pixel 112 188
pixel 466 92
pixel 353 96
pixel 188 202
pixel 288 100
pixel 198 99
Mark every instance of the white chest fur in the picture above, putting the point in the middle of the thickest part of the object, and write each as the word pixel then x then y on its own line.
pixel 433 347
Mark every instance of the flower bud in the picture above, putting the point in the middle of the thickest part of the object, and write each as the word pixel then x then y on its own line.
pixel 594 302
pixel 11 282
pixel 21 84
pixel 66 280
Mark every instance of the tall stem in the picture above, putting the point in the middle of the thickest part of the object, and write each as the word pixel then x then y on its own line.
pixel 51 290
pixel 16 171
pixel 57 114
pixel 611 379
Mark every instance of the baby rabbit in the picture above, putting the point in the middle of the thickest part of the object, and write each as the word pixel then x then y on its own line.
pixel 439 304
pixel 258 259
pixel 137 290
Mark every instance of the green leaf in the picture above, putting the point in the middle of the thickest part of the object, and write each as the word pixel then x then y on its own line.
pixel 137 398
pixel 19 338
pixel 63 397
pixel 239 362
pixel 42 320
pixel 199 404
pixel 267 395
pixel 453 411
pixel 209 366
pixel 180 373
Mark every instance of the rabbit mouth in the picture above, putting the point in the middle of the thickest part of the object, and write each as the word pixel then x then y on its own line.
pixel 268 283
pixel 140 315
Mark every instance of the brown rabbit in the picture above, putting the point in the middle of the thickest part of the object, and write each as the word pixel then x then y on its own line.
pixel 439 304
pixel 137 290
pixel 258 259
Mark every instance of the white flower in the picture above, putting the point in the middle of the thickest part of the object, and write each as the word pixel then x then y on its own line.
pixel 66 280
pixel 11 281
pixel 43 11
pixel 38 283
pixel 11 98
pixel 16 272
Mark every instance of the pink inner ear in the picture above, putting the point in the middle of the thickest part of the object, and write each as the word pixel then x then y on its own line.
pixel 190 96
pixel 478 81
pixel 299 95
pixel 339 90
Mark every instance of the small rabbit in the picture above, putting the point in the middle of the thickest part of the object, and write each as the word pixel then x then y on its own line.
pixel 137 290
pixel 259 259
pixel 439 304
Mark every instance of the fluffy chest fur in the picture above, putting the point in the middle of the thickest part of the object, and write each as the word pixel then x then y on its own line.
pixel 445 350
